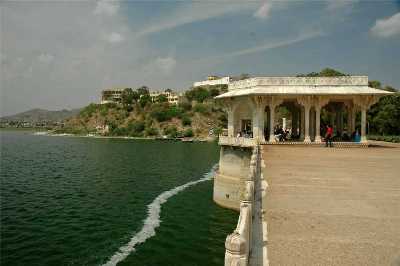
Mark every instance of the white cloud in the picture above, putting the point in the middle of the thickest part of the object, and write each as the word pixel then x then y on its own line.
pixel 194 12
pixel 106 7
pixel 387 27
pixel 114 37
pixel 46 58
pixel 267 45
pixel 264 10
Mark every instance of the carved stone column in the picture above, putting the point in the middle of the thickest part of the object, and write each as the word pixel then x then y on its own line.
pixel 364 124
pixel 258 118
pixel 272 123
pixel 353 119
pixel 307 123
pixel 319 102
pixel 273 102
pixel 318 124
pixel 230 123
pixel 306 101
pixel 230 106
pixel 295 120
pixel 364 102
pixel 301 123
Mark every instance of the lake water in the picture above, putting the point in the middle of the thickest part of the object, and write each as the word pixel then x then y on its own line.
pixel 86 201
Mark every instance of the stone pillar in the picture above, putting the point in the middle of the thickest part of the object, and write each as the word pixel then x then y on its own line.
pixel 230 123
pixel 349 131
pixel 318 124
pixel 258 123
pixel 295 120
pixel 307 138
pixel 312 123
pixel 353 119
pixel 339 120
pixel 301 123
pixel 271 122
pixel 363 124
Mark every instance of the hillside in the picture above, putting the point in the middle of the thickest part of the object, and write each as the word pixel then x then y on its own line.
pixel 38 115
pixel 197 115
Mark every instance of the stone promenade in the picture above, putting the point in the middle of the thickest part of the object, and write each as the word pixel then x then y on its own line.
pixel 329 206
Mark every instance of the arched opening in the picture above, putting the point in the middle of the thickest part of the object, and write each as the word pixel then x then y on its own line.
pixel 243 124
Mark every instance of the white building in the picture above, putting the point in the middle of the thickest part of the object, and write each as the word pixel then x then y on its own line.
pixel 111 96
pixel 172 97
pixel 213 80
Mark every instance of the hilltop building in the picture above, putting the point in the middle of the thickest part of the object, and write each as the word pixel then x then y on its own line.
pixel 115 96
pixel 172 97
pixel 213 80
pixel 111 96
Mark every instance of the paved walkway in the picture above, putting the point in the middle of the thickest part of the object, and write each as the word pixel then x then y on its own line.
pixel 327 206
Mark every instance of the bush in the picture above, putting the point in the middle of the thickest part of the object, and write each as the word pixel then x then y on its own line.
pixel 186 121
pixel 188 133
pixel 89 110
pixel 171 131
pixel 200 108
pixel 198 94
pixel 151 131
pixel 187 106
pixel 136 127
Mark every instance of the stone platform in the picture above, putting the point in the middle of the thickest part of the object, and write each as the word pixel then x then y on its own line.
pixel 329 206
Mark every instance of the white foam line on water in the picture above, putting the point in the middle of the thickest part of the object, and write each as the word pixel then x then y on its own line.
pixel 152 220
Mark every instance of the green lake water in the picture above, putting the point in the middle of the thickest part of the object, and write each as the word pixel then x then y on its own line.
pixel 77 201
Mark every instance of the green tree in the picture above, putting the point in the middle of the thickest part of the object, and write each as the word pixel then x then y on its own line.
pixel 188 133
pixel 186 121
pixel 375 84
pixel 127 96
pixel 384 117
pixel 144 90
pixel 162 98
pixel 171 131
pixel 198 94
pixel 144 100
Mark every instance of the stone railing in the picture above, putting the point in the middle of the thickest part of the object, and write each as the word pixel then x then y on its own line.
pixel 299 81
pixel 240 141
pixel 238 244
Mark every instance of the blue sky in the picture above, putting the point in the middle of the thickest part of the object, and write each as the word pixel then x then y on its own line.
pixel 62 54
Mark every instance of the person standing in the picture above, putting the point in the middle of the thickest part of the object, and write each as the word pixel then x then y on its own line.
pixel 328 136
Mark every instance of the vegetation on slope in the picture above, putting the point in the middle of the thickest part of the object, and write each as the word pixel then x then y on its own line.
pixel 197 115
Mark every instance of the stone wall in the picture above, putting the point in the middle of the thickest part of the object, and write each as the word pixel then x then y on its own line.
pixel 229 181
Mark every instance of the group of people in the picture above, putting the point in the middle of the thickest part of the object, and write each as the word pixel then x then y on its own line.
pixel 282 134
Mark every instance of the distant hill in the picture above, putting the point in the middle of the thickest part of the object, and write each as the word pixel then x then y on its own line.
pixel 37 115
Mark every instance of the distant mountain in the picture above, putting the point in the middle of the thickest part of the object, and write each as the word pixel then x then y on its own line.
pixel 37 115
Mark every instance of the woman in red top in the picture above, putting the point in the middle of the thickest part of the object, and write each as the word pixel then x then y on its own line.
pixel 328 136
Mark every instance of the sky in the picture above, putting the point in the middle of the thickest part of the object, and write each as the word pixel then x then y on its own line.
pixel 61 54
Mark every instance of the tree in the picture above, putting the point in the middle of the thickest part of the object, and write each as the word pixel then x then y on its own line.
pixel 188 133
pixel 144 90
pixel 375 84
pixel 384 117
pixel 326 72
pixel 144 100
pixel 162 98
pixel 186 121
pixel 243 76
pixel 127 96
pixel 198 94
